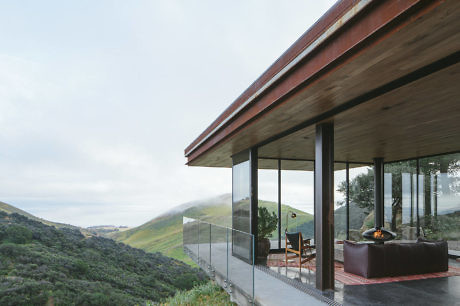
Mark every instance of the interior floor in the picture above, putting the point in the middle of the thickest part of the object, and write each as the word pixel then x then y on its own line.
pixel 433 291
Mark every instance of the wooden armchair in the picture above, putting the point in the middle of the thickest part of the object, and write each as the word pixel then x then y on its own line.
pixel 300 247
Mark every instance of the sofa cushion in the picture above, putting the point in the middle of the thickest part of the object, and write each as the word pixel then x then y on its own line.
pixel 411 259
pixel 435 256
pixel 355 258
pixel 376 260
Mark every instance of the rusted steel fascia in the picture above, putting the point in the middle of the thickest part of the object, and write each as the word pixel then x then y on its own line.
pixel 323 37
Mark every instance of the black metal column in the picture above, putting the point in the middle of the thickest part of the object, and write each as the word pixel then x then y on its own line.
pixel 417 198
pixel 254 200
pixel 324 205
pixel 378 192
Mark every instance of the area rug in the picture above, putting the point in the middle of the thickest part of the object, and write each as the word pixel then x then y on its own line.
pixel 277 260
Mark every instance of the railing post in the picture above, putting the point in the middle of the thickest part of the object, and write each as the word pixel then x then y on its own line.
pixel 226 276
pixel 210 253
pixel 253 266
pixel 198 242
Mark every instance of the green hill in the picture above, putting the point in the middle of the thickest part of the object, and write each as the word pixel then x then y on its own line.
pixel 9 209
pixel 164 233
pixel 44 265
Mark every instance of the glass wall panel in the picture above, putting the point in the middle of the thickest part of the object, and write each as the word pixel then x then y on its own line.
pixel 340 203
pixel 268 193
pixel 361 201
pixel 408 213
pixel 387 197
pixel 241 210
pixel 421 198
pixel 439 198
pixel 399 210
pixel 297 196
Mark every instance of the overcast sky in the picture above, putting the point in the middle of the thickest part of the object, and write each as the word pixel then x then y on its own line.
pixel 98 99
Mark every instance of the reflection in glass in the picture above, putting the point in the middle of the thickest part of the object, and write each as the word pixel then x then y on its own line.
pixel 361 209
pixel 439 196
pixel 388 197
pixel 340 208
pixel 241 210
pixel 399 209
pixel 268 196
pixel 297 189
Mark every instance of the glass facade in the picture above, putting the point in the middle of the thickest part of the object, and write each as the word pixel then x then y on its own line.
pixel 291 201
pixel 241 214
pixel 421 199
pixel 297 189
pixel 439 198
pixel 361 207
pixel 400 199
pixel 268 195
pixel 340 201
pixel 430 199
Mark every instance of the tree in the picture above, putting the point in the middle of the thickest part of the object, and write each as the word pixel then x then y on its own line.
pixel 361 190
pixel 362 186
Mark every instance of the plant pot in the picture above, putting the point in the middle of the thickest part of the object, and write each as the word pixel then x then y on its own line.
pixel 263 248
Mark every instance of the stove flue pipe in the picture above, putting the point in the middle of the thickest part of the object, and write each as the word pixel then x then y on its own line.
pixel 378 192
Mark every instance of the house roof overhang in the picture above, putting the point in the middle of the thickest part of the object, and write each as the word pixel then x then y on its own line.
pixel 386 73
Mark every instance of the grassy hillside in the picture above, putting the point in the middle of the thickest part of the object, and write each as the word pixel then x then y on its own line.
pixel 9 209
pixel 205 294
pixel 43 265
pixel 164 234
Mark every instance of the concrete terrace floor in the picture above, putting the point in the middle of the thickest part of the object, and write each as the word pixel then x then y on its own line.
pixel 268 290
pixel 285 286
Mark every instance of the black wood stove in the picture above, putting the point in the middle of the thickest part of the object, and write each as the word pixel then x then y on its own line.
pixel 378 233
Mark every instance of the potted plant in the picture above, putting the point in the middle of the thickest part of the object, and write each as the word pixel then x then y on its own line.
pixel 266 224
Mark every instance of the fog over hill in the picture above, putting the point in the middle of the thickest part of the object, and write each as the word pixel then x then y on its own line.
pixel 225 199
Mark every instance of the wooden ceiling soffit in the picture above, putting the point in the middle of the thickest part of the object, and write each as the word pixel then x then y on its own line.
pixel 384 59
pixel 416 120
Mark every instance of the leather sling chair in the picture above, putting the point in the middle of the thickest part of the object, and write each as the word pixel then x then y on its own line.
pixel 299 247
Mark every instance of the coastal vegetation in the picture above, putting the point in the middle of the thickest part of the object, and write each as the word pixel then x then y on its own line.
pixel 45 265
pixel 205 294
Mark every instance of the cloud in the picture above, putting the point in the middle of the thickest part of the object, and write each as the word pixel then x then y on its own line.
pixel 99 99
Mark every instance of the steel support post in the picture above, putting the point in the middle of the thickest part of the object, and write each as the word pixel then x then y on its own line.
pixel 324 205
pixel 378 192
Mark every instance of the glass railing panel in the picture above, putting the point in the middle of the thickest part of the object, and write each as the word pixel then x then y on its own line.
pixel 241 261
pixel 190 237
pixel 219 250
pixel 204 249
pixel 222 252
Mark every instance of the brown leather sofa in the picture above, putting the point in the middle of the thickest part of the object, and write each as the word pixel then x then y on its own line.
pixel 395 259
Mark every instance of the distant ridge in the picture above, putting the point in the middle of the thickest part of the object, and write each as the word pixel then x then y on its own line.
pixel 10 209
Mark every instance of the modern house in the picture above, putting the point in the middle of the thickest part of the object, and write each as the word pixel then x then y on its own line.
pixel 364 111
